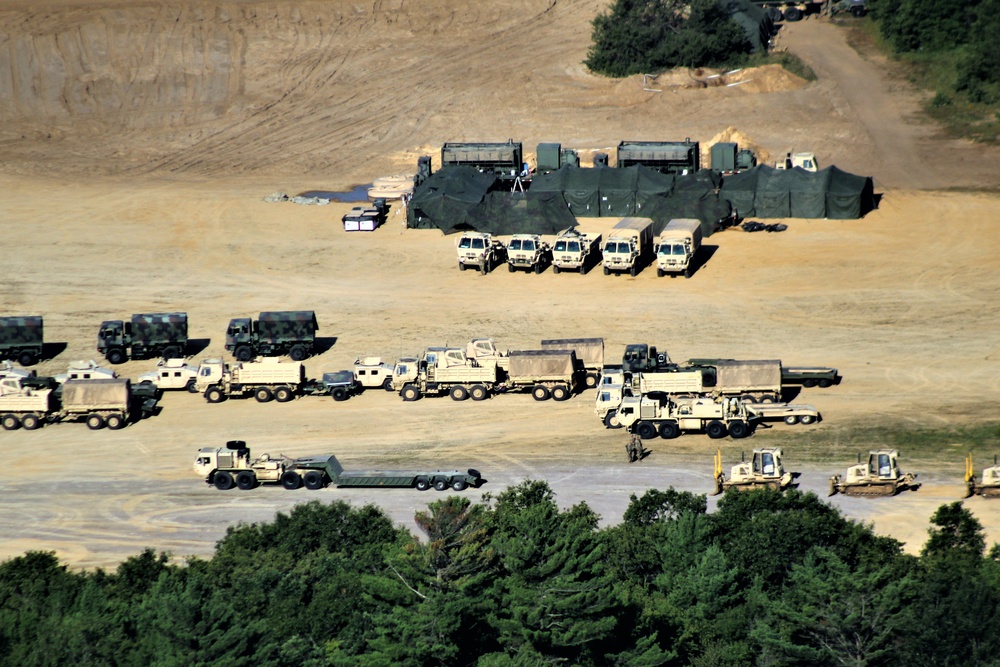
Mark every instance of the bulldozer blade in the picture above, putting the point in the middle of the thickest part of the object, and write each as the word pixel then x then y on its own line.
pixel 718 485
pixel 834 486
pixel 970 489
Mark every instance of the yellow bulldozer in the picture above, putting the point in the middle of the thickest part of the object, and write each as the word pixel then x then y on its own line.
pixel 988 486
pixel 881 476
pixel 764 469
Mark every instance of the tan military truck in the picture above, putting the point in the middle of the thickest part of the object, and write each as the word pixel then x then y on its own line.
pixel 669 417
pixel 480 250
pixel 529 252
pixel 589 354
pixel 987 486
pixel 575 251
pixel 267 379
pixel 444 370
pixel 616 384
pixel 99 403
pixel 764 470
pixel 677 246
pixel 627 246
pixel 881 476
pixel 546 373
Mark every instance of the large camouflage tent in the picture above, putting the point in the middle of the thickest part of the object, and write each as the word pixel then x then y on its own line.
pixel 756 24
pixel 767 192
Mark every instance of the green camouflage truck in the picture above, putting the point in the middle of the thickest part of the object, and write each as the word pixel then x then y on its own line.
pixel 21 339
pixel 291 332
pixel 145 335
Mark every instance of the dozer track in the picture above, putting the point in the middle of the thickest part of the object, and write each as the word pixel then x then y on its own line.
pixel 986 491
pixel 886 489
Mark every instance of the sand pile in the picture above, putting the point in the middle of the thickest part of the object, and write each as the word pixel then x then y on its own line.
pixel 731 134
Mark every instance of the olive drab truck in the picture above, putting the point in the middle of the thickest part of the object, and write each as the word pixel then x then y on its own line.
pixel 575 251
pixel 479 250
pixel 880 476
pixel 291 332
pixel 669 417
pixel 677 246
pixel 589 355
pixel 764 470
pixel 528 252
pixel 668 157
pixel 21 339
pixel 627 246
pixel 145 335
pixel 231 466
pixel 987 486
pixel 99 403
pixel 504 160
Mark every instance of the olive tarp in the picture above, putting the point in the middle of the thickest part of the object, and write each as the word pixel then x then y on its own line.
pixel 766 192
pixel 756 24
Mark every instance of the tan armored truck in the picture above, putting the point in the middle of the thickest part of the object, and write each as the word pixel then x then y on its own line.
pixel 372 372
pixel 677 246
pixel 879 477
pixel 267 379
pixel 528 252
pixel 99 403
pixel 668 417
pixel 764 470
pixel 173 374
pixel 627 245
pixel 480 250
pixel 575 251
pixel 987 486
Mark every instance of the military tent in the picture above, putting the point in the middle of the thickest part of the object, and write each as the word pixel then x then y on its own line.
pixel 445 198
pixel 767 192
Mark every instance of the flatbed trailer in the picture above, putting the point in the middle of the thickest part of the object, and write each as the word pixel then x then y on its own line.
pixel 790 413
pixel 809 376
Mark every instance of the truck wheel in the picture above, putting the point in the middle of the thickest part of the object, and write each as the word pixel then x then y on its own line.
pixel 583 269
pixel 115 422
pixel 410 393
pixel 774 14
pixel 459 393
pixel 633 271
pixel 540 392
pixel 607 271
pixel 214 395
pixel 478 392
pixel 291 480
pixel 459 485
pixel 30 422
pixel 659 273
pixel 283 394
pixel 262 394
pixel 339 394
pixel 716 429
pixel 669 430
pixel 313 480
pixel 538 268
pixel 807 419
pixel 687 272
pixel 95 422
pixel 421 484
pixel 387 384
pixel 441 484
pixel 739 429
pixel 793 14
pixel 192 386
pixel 223 481
pixel 461 267
pixel 243 353
pixel 510 268
pixel 297 353
pixel 809 382
pixel 171 352
pixel 791 420
pixel 645 430
pixel 555 269
pixel 825 383
pixel 115 356
pixel 27 358
pixel 484 268
pixel 592 380
pixel 611 420
pixel 560 393
pixel 246 480
pixel 857 12
pixel 10 422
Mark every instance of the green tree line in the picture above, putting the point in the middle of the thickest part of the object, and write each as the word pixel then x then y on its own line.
pixel 766 579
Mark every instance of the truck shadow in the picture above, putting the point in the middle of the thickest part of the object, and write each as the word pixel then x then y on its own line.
pixel 701 258
pixel 196 346
pixel 52 350
pixel 789 394
pixel 323 344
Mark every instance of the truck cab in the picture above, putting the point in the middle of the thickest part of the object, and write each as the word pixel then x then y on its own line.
pixel 527 251
pixel 210 372
pixel 640 357
pixel 620 253
pixel 404 372
pixel 477 249
pixel 240 332
pixel 112 334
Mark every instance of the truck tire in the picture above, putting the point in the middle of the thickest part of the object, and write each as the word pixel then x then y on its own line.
pixel 262 394
pixel 687 272
pixel 410 393
pixel 116 356
pixel 387 384
pixel 669 430
pixel 30 422
pixel 291 480
pixel 298 352
pixel 95 422
pixel 171 352
pixel 645 430
pixel 458 393
pixel 313 480
pixel 283 394
pixel 809 383
pixel 478 392
pixel 214 395
pixel 793 14
pixel 192 386
pixel 807 419
pixel 583 269
pixel 246 480
pixel 611 420
pixel 223 481
pixel 459 485
pixel 27 358
pixel 774 14
pixel 858 12
pixel 791 420
pixel 659 273
pixel 560 393
pixel 592 380
pixel 461 267
pixel 115 422
pixel 510 268
pixel 441 484
pixel 10 422
pixel 339 393
pixel 633 270
pixel 421 484
pixel 716 430
pixel 540 392
pixel 538 268
pixel 607 271
pixel 739 429
pixel 555 269
pixel 243 353
pixel 825 383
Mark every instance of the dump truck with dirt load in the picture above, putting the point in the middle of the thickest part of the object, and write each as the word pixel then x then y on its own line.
pixel 266 379
pixel 575 251
pixel 880 476
pixel 145 335
pixel 765 469
pixel 676 247
pixel 528 252
pixel 669 417
pixel 627 245
pixel 589 355
pixel 231 466
pixel 987 486
pixel 479 250
pixel 21 338
pixel 99 403
pixel 291 332
pixel 444 370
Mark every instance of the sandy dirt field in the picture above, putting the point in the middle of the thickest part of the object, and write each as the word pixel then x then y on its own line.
pixel 137 143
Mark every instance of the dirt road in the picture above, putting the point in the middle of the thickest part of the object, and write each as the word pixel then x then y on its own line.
pixel 131 176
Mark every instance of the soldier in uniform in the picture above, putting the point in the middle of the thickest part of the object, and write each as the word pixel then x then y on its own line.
pixel 634 448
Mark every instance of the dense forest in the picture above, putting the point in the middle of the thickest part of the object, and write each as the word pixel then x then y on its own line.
pixel 766 579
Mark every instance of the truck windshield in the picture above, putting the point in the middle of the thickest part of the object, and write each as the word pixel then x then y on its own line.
pixel 527 244
pixel 515 244
pixel 573 246
pixel 560 246
pixel 678 249
pixel 478 244
pixel 464 243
